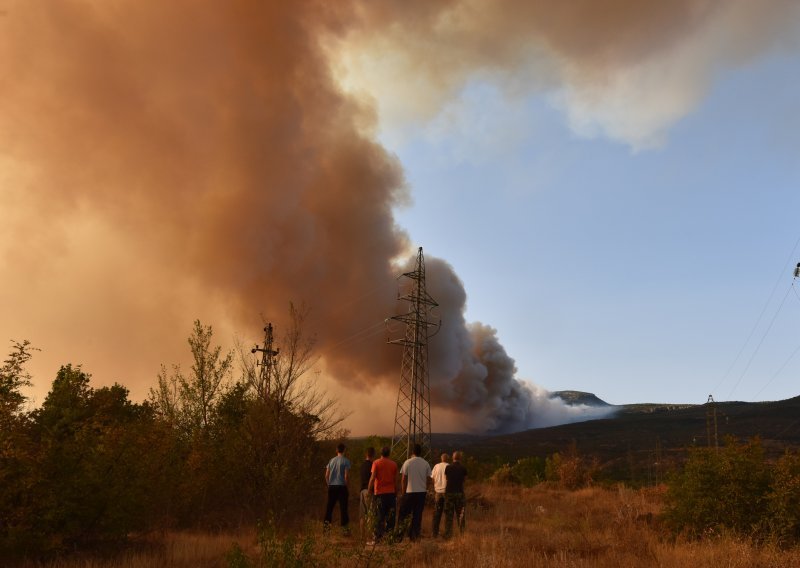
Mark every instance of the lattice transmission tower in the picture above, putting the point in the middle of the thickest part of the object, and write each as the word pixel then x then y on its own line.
pixel 412 420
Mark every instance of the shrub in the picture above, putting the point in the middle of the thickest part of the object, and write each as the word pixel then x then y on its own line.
pixel 526 471
pixel 784 500
pixel 569 471
pixel 720 490
pixel 529 471
pixel 504 475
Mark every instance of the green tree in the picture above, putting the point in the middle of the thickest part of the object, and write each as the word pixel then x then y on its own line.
pixel 13 377
pixel 209 371
pixel 17 449
pixel 91 473
pixel 188 401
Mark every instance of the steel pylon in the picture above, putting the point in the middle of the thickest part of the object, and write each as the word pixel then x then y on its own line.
pixel 412 421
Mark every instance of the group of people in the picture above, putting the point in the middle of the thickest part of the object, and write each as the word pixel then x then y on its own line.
pixel 382 484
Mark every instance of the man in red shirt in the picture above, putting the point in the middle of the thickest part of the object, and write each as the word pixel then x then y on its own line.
pixel 384 480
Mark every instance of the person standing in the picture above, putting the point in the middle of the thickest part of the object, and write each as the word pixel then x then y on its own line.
pixel 454 499
pixel 439 484
pixel 416 472
pixel 383 481
pixel 337 474
pixel 365 498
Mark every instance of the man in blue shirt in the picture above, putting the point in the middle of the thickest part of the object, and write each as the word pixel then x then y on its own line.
pixel 337 475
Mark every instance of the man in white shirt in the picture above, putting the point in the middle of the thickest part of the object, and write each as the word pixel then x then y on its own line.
pixel 416 472
pixel 439 485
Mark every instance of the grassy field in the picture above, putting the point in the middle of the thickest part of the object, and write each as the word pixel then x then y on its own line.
pixel 506 526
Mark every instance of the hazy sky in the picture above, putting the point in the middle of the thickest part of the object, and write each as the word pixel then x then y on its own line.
pixel 610 188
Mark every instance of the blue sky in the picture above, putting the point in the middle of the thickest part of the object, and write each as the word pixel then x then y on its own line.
pixel 636 274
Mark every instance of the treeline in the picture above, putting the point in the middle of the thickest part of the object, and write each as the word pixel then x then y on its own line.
pixel 206 450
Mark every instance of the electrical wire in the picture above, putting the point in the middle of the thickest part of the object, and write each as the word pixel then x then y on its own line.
pixel 763 337
pixel 778 372
pixel 361 335
pixel 788 359
pixel 761 315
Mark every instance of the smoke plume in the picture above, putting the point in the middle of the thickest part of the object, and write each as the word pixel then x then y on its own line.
pixel 620 68
pixel 161 162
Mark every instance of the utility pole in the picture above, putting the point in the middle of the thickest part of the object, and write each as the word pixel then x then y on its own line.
pixel 412 420
pixel 267 364
pixel 711 417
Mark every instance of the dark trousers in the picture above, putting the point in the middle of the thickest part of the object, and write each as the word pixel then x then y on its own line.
pixel 337 494
pixel 413 504
pixel 386 512
pixel 454 505
pixel 438 509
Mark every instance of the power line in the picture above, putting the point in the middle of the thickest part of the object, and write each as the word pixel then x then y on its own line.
pixel 362 334
pixel 796 350
pixel 778 372
pixel 758 347
pixel 761 315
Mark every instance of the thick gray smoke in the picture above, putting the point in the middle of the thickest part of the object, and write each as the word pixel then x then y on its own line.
pixel 471 371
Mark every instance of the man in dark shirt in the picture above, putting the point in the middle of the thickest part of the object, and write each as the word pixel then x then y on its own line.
pixel 365 497
pixel 454 499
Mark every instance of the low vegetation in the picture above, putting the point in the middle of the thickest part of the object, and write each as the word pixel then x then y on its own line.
pixel 507 525
pixel 217 471
pixel 89 467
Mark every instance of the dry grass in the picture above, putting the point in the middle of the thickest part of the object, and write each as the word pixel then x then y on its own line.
pixel 506 526
pixel 591 527
pixel 178 550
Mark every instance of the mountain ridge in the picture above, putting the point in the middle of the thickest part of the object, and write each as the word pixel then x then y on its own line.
pixel 636 436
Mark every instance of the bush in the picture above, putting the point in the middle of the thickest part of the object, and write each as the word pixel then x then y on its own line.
pixel 784 500
pixel 529 471
pixel 720 490
pixel 526 471
pixel 569 471
pixel 504 476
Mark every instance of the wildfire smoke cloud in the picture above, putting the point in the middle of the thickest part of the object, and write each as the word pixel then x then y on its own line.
pixel 166 161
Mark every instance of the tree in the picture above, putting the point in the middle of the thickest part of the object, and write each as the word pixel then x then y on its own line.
pixel 188 402
pixel 13 377
pixel 209 370
pixel 90 470
pixel 17 448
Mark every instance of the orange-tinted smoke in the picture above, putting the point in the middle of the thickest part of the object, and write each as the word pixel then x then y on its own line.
pixel 163 161
pixel 210 136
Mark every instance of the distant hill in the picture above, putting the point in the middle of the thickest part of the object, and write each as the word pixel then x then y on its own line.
pixel 576 398
pixel 642 441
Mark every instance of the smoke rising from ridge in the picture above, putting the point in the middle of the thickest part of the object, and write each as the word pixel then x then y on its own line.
pixel 160 163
